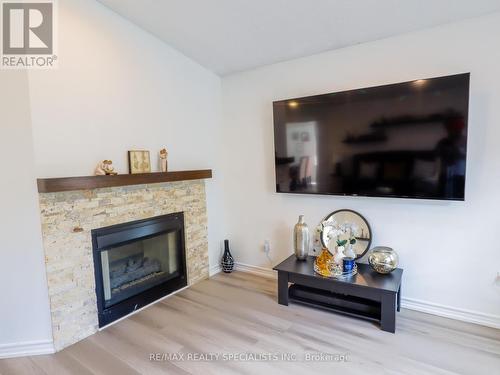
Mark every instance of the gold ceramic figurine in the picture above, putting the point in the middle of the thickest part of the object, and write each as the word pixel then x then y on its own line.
pixel 105 167
pixel 163 159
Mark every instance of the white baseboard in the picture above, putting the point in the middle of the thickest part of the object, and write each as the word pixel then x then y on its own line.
pixel 21 349
pixel 260 271
pixel 214 270
pixel 463 315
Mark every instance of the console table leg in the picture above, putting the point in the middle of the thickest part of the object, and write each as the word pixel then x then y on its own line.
pixel 283 288
pixel 399 299
pixel 388 307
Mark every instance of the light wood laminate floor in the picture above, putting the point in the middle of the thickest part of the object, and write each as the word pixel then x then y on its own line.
pixel 238 313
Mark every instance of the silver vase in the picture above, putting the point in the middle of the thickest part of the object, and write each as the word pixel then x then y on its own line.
pixel 383 259
pixel 301 239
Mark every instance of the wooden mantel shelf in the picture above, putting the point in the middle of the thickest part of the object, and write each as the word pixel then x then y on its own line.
pixel 52 185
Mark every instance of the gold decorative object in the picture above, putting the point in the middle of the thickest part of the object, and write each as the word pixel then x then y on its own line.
pixel 105 167
pixel 322 263
pixel 163 159
pixel 383 259
pixel 139 161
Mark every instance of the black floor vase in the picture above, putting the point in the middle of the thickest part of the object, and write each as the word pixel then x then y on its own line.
pixel 227 261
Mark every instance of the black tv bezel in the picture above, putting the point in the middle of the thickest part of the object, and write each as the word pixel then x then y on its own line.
pixel 444 199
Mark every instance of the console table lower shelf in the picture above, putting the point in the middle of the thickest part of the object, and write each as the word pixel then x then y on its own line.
pixel 367 295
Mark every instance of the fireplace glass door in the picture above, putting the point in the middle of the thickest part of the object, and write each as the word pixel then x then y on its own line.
pixel 137 263
pixel 135 267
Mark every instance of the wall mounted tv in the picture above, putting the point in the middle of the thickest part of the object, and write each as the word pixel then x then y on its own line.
pixel 405 140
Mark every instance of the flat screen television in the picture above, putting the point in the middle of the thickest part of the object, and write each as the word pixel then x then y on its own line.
pixel 405 140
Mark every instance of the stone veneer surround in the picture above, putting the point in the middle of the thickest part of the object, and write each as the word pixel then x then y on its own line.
pixel 67 221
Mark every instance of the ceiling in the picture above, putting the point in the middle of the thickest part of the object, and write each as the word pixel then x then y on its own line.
pixel 228 36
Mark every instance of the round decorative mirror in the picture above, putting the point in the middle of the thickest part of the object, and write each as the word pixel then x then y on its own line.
pixel 354 229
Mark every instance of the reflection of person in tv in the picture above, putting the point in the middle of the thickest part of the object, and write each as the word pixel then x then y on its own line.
pixel 451 153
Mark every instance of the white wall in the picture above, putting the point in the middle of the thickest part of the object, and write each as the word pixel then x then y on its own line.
pixel 118 88
pixel 24 313
pixel 449 251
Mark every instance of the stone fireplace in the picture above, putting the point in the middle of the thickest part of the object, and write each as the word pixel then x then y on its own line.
pixel 69 220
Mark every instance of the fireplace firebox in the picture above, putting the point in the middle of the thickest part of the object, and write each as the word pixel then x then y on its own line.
pixel 137 263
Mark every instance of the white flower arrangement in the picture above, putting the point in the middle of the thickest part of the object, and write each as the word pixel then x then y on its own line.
pixel 342 233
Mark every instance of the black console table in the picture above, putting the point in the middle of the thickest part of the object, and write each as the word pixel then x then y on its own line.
pixel 367 295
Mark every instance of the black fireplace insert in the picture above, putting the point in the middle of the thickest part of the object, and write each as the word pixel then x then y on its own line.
pixel 137 263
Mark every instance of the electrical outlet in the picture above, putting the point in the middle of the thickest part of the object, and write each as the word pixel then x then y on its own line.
pixel 267 247
pixel 267 250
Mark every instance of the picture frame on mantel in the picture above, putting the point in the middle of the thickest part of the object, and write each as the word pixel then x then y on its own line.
pixel 139 161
